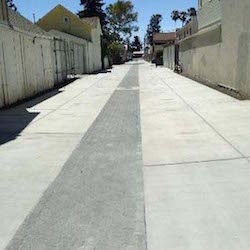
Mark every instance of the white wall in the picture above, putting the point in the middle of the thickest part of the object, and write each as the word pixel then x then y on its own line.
pixel 72 55
pixel 169 57
pixel 30 64
pixel 96 48
pixel 209 12
pixel 221 55
pixel 26 65
pixel 84 55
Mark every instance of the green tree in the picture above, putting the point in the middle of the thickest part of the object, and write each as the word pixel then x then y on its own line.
pixel 115 51
pixel 121 19
pixel 136 44
pixel 93 8
pixel 153 27
pixel 11 5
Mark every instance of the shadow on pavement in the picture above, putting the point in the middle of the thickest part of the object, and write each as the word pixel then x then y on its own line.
pixel 14 119
pixel 104 71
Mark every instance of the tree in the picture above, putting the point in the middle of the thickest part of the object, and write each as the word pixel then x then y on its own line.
pixel 153 27
pixel 183 17
pixel 115 52
pixel 136 44
pixel 93 8
pixel 192 12
pixel 175 15
pixel 121 19
pixel 11 5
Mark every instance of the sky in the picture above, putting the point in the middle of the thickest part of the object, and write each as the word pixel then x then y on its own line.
pixel 145 9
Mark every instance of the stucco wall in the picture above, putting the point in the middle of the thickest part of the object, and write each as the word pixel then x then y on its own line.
pixel 210 11
pixel 221 54
pixel 236 43
pixel 26 65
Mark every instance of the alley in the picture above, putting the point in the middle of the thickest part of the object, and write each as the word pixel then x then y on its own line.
pixel 135 158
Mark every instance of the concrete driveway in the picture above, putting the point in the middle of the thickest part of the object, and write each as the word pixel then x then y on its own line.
pixel 138 158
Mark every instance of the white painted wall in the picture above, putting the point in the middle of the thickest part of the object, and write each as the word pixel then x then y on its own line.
pixel 96 51
pixel 83 56
pixel 30 64
pixel 169 57
pixel 26 65
pixel 72 54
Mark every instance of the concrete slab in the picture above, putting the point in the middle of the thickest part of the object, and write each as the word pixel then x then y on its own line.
pixel 171 131
pixel 198 206
pixel 39 136
pixel 27 166
pixel 229 116
pixel 96 202
pixel 202 204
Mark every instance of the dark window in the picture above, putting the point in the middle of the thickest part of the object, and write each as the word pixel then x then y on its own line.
pixel 66 20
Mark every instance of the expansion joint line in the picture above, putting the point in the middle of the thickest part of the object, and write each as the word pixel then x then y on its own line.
pixel 201 117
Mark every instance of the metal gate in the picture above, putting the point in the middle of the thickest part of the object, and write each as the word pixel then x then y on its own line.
pixel 70 59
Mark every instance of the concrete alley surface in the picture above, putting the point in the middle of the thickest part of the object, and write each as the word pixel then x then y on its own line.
pixel 196 144
pixel 137 158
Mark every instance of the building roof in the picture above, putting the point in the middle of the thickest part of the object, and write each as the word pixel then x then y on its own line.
pixel 76 26
pixel 18 21
pixel 92 21
pixel 164 37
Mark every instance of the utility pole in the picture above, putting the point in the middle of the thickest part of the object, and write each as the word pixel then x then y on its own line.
pixel 34 17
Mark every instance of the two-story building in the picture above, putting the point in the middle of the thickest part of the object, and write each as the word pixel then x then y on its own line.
pixel 171 49
pixel 218 54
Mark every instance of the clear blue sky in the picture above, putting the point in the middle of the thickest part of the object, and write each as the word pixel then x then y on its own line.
pixel 145 9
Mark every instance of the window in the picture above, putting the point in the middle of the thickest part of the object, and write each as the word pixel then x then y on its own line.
pixel 66 20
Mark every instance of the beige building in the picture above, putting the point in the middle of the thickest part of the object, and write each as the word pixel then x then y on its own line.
pixel 220 52
pixel 69 27
pixel 188 30
pixel 159 40
pixel 171 49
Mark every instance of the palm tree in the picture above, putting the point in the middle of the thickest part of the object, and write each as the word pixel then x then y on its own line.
pixel 175 16
pixel 11 5
pixel 183 17
pixel 192 12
